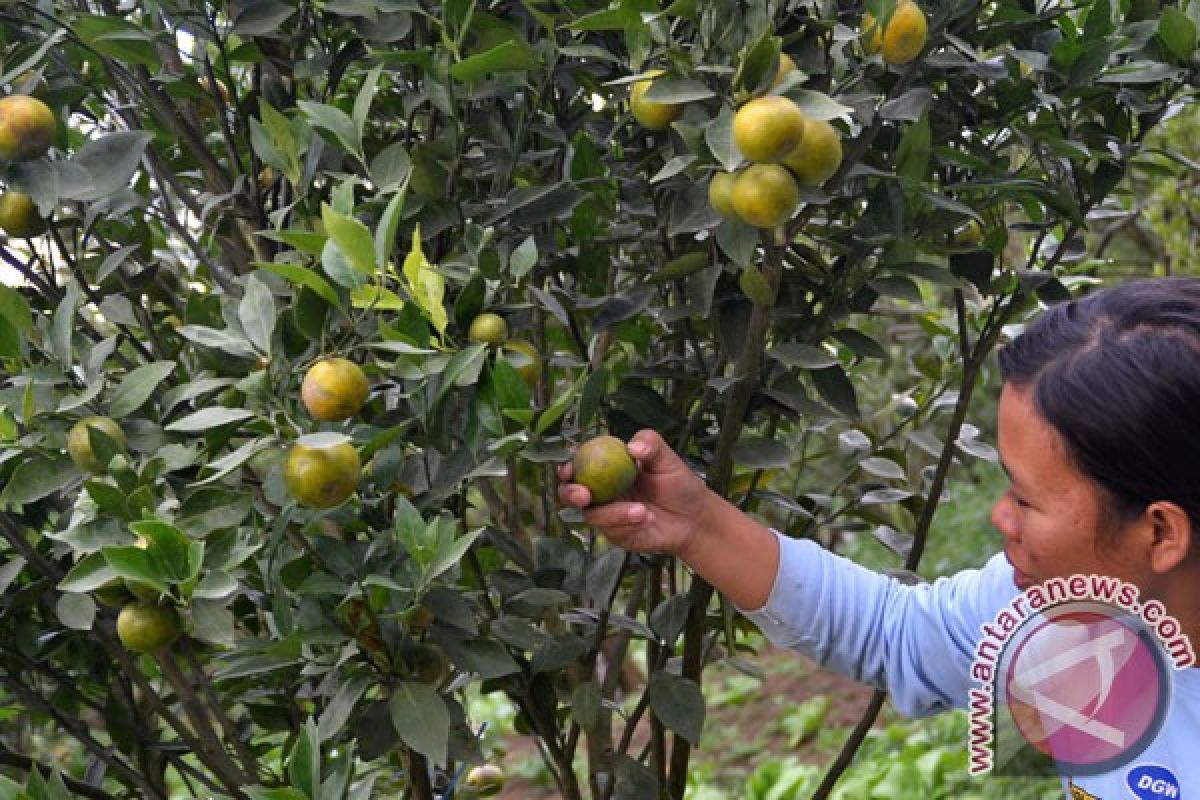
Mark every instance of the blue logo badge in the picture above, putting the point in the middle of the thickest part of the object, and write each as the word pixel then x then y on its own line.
pixel 1149 782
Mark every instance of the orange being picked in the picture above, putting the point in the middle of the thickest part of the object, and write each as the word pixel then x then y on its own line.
pixel 604 466
pixel 334 389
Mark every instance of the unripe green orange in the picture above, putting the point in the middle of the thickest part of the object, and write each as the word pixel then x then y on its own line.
pixel 604 466
pixel 19 216
pixel 143 627
pixel 488 328
pixel 334 389
pixel 79 443
pixel 322 477
pixel 767 128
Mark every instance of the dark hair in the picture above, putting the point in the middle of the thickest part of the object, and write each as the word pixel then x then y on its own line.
pixel 1117 374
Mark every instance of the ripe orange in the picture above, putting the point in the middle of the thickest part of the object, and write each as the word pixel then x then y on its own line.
pixel 27 127
pixel 818 156
pixel 649 114
pixel 19 216
pixel 143 627
pixel 720 194
pixel 904 37
pixel 79 444
pixel 604 466
pixel 524 359
pixel 767 128
pixel 765 195
pixel 334 389
pixel 488 328
pixel 322 477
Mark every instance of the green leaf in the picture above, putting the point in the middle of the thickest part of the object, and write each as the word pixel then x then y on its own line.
pixel 135 564
pixel 207 418
pixel 108 498
pixel 89 573
pixel 137 387
pixel 304 764
pixel 678 90
pixel 816 105
pixel 420 717
pixel 174 555
pixel 803 356
pixel 510 56
pixel 837 390
pixel 303 276
pixel 36 478
pixel 554 412
pixel 916 147
pixel 449 554
pixel 1177 31
pixel 263 18
pixel 427 286
pixel 339 709
pixel 260 793
pixel 110 162
pixel 390 168
pixel 529 206
pixel 366 96
pixel 112 36
pixel 761 453
pixel 352 238
pixel 14 309
pixel 76 611
pixel 718 135
pixel 678 703
pixel 335 121
pixel 256 313
pixel 523 258
pixel 220 339
pixel 389 223
pixel 10 340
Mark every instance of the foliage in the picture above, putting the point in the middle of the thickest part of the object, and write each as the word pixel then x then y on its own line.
pixel 235 192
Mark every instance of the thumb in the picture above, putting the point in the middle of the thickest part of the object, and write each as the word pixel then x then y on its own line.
pixel 653 453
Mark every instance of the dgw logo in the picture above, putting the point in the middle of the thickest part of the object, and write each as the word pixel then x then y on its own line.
pixel 1152 783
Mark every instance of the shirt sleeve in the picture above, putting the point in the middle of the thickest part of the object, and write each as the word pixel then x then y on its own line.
pixel 916 641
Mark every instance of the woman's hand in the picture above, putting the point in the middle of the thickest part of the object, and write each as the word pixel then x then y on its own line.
pixel 663 510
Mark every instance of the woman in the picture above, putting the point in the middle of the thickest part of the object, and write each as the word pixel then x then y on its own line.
pixel 1099 433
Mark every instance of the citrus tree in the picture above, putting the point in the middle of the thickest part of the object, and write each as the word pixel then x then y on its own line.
pixel 303 304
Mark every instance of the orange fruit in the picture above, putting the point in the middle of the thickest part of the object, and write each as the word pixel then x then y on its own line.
pixel 19 216
pixel 969 234
pixel 767 128
pixel 27 127
pixel 524 358
pixel 765 195
pixel 786 65
pixel 79 443
pixel 334 389
pixel 485 780
pixel 488 328
pixel 720 194
pixel 649 114
pixel 904 36
pixel 322 477
pixel 818 156
pixel 604 466
pixel 143 627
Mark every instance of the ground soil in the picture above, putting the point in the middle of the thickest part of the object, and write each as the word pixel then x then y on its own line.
pixel 788 679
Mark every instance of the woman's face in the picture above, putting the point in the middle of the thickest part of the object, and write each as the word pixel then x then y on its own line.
pixel 1052 517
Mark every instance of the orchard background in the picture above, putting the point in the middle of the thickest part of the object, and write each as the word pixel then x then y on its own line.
pixel 226 194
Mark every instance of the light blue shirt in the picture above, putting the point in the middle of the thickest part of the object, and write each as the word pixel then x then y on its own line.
pixel 919 643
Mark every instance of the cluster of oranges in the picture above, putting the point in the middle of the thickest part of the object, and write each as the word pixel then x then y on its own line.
pixel 785 147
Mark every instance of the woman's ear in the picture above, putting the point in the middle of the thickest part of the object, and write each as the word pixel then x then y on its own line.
pixel 1172 535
